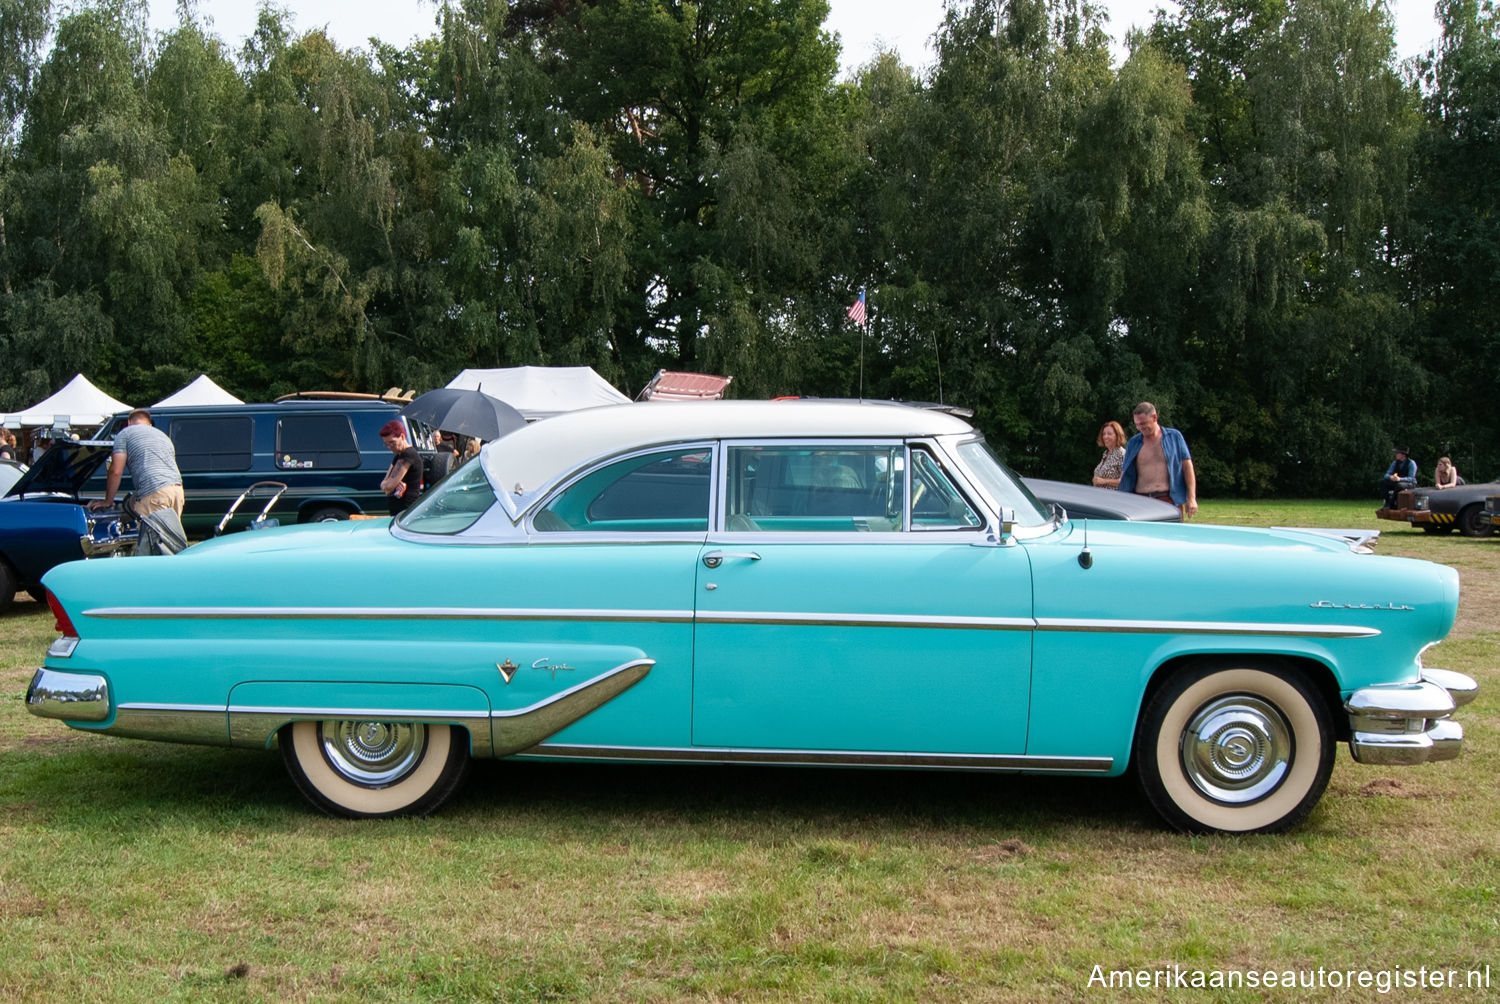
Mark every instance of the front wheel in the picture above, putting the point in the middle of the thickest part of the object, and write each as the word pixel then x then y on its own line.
pixel 369 769
pixel 9 582
pixel 1235 749
pixel 1472 522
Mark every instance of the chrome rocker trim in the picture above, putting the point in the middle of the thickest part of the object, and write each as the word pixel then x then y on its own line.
pixel 1011 763
pixel 1400 724
pixel 84 697
pixel 508 731
pixel 517 730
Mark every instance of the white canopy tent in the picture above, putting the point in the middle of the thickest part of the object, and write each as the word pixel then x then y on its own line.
pixel 79 403
pixel 542 391
pixel 200 391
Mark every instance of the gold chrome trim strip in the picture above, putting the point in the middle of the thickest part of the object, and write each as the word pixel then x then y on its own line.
pixel 850 758
pixel 866 620
pixel 387 613
pixel 1205 627
pixel 776 617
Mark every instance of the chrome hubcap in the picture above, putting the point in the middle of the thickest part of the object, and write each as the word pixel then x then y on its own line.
pixel 373 754
pixel 1237 749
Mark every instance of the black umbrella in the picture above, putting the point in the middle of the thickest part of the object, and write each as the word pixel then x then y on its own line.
pixel 466 412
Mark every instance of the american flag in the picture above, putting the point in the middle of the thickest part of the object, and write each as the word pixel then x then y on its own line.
pixel 857 310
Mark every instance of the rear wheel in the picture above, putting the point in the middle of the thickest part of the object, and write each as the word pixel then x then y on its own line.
pixel 1235 749
pixel 327 514
pixel 1472 522
pixel 370 769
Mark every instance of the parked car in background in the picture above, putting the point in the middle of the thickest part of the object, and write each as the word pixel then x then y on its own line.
pixel 43 522
pixel 1443 510
pixel 1492 509
pixel 797 583
pixel 1090 502
pixel 10 473
pixel 328 453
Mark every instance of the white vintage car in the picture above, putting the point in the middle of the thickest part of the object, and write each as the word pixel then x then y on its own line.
pixel 799 583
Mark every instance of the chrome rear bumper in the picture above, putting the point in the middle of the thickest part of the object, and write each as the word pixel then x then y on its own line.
pixel 73 697
pixel 1407 723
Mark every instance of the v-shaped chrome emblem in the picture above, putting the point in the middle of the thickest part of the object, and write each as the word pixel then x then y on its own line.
pixel 507 670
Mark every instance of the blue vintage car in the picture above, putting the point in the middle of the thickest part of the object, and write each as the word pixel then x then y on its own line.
pixel 766 583
pixel 43 522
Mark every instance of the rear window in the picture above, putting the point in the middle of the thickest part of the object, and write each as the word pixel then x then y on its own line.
pixel 212 444
pixel 316 442
pixel 648 493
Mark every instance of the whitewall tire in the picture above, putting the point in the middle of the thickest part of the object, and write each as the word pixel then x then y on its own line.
pixel 372 769
pixel 1235 748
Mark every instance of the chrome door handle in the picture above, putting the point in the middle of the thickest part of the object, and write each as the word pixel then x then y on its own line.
pixel 713 559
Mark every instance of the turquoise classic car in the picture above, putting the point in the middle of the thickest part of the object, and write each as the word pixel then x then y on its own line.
pixel 808 583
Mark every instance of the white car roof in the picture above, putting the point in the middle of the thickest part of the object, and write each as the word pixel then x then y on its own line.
pixel 531 458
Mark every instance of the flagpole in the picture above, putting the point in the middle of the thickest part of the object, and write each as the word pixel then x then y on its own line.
pixel 938 358
pixel 857 313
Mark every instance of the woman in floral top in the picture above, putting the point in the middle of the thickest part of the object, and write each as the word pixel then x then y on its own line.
pixel 1112 438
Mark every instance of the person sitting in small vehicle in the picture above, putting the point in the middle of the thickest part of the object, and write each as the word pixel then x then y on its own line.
pixel 1446 475
pixel 1401 475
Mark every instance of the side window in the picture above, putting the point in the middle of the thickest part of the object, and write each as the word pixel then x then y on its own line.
pixel 815 489
pixel 936 503
pixel 664 492
pixel 212 444
pixel 316 441
pixel 453 506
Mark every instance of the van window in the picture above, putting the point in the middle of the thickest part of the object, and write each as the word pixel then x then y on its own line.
pixel 212 444
pixel 316 441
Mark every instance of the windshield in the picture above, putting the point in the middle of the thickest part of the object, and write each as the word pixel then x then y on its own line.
pixel 454 505
pixel 1000 484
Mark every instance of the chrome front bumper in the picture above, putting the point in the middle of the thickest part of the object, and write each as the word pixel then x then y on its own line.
pixel 1407 723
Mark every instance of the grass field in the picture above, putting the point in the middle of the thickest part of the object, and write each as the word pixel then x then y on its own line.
pixel 135 871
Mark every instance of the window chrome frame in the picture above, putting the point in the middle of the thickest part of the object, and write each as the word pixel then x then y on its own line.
pixel 510 519
pixel 544 497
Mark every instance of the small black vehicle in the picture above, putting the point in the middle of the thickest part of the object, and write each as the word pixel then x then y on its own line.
pixel 1443 510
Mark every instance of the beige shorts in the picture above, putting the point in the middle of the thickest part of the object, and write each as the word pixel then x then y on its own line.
pixel 169 497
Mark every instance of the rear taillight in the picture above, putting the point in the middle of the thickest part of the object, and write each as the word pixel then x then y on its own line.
pixel 64 622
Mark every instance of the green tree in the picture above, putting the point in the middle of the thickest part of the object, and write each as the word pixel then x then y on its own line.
pixel 698 103
pixel 1296 329
pixel 1455 237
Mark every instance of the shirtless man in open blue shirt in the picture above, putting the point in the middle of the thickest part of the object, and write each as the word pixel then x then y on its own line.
pixel 1157 463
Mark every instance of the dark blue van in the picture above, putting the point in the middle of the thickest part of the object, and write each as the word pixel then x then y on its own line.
pixel 328 453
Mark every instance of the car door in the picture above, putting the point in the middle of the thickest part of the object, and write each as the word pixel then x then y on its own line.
pixel 611 566
pixel 854 601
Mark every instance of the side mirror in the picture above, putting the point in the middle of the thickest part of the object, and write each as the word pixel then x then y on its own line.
pixel 1007 520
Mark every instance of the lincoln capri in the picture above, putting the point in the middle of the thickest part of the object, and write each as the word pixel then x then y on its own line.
pixel 804 583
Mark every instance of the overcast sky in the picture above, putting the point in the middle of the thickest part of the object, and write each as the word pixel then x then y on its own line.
pixel 863 25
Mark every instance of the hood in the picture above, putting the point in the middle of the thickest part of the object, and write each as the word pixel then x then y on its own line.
pixel 1200 539
pixel 1091 502
pixel 63 469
